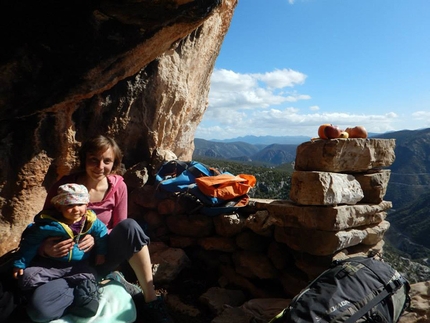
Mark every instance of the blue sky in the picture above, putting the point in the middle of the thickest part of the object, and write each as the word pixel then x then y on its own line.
pixel 287 66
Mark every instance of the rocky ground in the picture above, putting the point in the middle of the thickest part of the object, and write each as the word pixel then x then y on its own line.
pixel 182 296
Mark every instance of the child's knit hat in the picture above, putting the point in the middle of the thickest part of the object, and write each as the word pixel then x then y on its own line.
pixel 69 194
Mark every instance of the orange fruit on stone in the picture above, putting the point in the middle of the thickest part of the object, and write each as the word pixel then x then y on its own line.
pixel 332 132
pixel 321 130
pixel 357 132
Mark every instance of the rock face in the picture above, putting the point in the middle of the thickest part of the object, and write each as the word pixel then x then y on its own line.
pixel 138 71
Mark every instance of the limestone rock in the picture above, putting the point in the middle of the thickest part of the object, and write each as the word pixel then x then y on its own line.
pixel 17 212
pixel 320 243
pixel 228 225
pixel 375 233
pixel 190 225
pixel 232 277
pixel 144 197
pixel 374 185
pixel 419 310
pixel 160 156
pixel 168 263
pixel 265 309
pixel 169 206
pixel 251 241
pixel 313 265
pixel 287 214
pixel 260 222
pixel 233 314
pixel 218 298
pixel 280 256
pixel 181 241
pixel 136 176
pixel 324 188
pixel 253 265
pixel 174 301
pixel 153 219
pixel 136 71
pixel 223 244
pixel 293 281
pixel 361 250
pixel 354 155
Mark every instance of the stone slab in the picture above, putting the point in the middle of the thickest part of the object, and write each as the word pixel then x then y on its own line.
pixel 374 185
pixel 285 213
pixel 313 266
pixel 321 243
pixel 324 188
pixel 352 155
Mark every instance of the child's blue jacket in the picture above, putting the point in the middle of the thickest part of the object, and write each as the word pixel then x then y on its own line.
pixel 46 225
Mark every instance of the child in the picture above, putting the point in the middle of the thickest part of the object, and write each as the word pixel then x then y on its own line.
pixel 71 219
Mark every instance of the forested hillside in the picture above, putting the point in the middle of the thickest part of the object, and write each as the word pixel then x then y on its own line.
pixel 410 172
pixel 273 154
pixel 272 182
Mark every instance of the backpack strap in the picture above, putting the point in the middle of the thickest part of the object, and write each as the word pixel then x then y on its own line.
pixel 389 289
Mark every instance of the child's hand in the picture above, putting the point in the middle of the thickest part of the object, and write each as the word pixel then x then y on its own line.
pixel 17 272
pixel 87 243
pixel 100 259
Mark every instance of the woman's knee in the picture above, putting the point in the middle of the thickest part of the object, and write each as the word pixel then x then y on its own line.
pixel 131 231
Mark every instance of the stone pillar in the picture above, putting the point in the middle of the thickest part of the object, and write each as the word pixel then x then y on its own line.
pixel 336 207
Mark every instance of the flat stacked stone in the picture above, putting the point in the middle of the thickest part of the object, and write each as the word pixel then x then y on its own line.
pixel 336 207
pixel 352 155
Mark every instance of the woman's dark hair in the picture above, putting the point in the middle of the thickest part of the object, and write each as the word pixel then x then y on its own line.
pixel 100 144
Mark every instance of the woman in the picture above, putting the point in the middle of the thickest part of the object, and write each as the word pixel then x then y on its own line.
pixel 100 158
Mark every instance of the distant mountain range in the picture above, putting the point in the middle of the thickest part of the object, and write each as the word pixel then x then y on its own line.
pixel 275 154
pixel 265 149
pixel 408 188
pixel 267 140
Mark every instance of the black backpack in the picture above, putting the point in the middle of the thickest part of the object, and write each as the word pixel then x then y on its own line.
pixel 360 289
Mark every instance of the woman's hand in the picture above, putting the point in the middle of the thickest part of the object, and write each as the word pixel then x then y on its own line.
pixel 87 243
pixel 54 248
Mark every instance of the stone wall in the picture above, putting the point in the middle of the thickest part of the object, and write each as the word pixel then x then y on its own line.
pixel 273 248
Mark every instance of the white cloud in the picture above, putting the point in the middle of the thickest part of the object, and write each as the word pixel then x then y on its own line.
pixel 420 115
pixel 223 80
pixel 291 117
pixel 235 91
pixel 289 122
pixel 244 104
pixel 279 79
